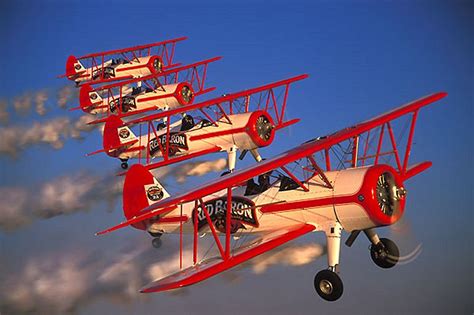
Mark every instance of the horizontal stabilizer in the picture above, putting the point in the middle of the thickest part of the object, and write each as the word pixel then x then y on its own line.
pixel 416 169
pixel 123 145
pixel 137 219
pixel 212 266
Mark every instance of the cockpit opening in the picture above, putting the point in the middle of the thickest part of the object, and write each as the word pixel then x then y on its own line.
pixel 267 180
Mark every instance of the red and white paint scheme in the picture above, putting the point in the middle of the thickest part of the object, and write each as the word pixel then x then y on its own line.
pixel 189 137
pixel 298 192
pixel 244 121
pixel 122 64
pixel 161 91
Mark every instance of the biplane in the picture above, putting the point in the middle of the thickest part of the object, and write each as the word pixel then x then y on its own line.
pixel 244 121
pixel 160 91
pixel 352 180
pixel 119 64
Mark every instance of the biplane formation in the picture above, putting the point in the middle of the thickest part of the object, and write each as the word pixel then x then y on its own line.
pixel 352 180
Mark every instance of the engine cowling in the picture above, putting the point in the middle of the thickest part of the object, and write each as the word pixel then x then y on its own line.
pixel 184 93
pixel 368 197
pixel 155 64
pixel 260 128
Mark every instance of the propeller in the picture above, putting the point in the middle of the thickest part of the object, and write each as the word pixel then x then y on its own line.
pixel 187 94
pixel 264 128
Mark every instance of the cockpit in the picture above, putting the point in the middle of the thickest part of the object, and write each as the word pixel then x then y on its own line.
pixel 141 90
pixel 128 103
pixel 267 180
pixel 119 61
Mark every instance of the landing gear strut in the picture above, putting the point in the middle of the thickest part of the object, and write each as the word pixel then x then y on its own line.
pixel 327 283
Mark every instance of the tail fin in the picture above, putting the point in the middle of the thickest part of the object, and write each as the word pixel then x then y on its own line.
pixel 116 134
pixel 88 98
pixel 73 67
pixel 140 190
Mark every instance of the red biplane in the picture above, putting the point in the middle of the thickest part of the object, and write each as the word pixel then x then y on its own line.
pixel 352 180
pixel 243 121
pixel 123 63
pixel 161 91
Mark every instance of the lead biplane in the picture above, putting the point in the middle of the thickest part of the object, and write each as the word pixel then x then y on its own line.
pixel 160 91
pixel 119 64
pixel 245 121
pixel 352 180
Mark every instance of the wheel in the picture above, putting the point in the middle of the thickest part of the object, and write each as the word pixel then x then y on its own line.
pixel 124 165
pixel 156 242
pixel 385 254
pixel 328 285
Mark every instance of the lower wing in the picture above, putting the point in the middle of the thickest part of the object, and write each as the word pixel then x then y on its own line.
pixel 215 265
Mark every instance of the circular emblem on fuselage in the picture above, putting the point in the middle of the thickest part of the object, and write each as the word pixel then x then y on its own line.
pixel 124 133
pixel 154 193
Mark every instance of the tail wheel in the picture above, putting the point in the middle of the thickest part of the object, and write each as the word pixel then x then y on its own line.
pixel 328 285
pixel 156 242
pixel 124 165
pixel 385 254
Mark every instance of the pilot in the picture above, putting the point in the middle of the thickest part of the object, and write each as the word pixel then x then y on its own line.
pixel 264 181
pixel 187 123
pixel 252 188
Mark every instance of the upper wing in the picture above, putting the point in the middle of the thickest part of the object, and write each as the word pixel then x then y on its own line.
pixel 263 97
pixel 132 49
pixel 215 265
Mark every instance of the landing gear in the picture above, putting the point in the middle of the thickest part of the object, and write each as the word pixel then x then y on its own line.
pixel 385 254
pixel 124 164
pixel 383 251
pixel 328 285
pixel 156 242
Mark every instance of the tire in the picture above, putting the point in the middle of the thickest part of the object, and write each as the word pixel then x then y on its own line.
pixel 328 285
pixel 156 242
pixel 124 165
pixel 385 256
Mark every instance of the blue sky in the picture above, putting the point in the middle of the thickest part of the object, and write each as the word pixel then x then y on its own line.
pixel 363 58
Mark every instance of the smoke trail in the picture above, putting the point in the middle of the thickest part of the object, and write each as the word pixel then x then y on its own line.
pixel 40 99
pixel 287 256
pixel 52 132
pixel 21 206
pixel 65 95
pixel 22 103
pixel 77 192
pixel 66 282
pixel 4 116
pixel 181 172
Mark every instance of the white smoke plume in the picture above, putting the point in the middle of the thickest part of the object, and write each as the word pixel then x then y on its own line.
pixel 63 195
pixel 4 116
pixel 66 282
pixel 40 99
pixel 287 256
pixel 66 95
pixel 78 192
pixel 22 103
pixel 192 168
pixel 52 132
